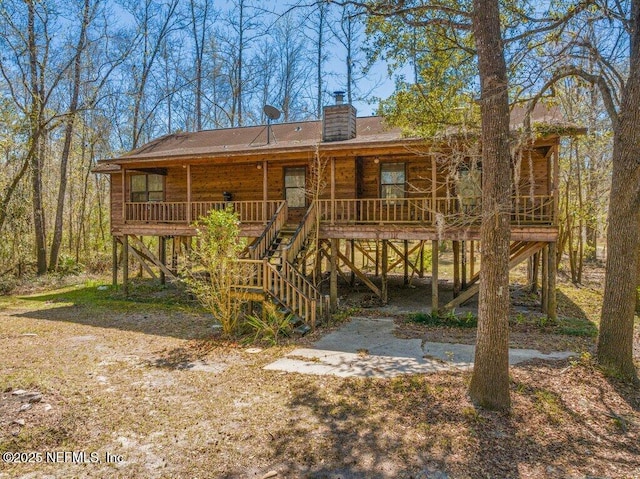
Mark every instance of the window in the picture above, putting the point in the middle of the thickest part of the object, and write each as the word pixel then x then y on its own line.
pixel 392 181
pixel 147 188
pixel 294 187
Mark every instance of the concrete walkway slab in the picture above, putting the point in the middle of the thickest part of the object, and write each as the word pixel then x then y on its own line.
pixel 367 347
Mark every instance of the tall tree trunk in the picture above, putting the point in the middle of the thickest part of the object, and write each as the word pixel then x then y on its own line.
pixel 490 381
pixel 36 139
pixel 615 341
pixel 68 134
pixel 319 62
pixel 240 60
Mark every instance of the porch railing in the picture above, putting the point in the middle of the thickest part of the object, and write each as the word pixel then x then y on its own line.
pixel 185 212
pixel 526 210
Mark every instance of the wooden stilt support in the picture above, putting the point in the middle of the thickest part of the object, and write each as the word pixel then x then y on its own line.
pixel 125 265
pixel 421 258
pixel 551 282
pixel 142 261
pixel 535 268
pixel 406 262
pixel 463 264
pixel 352 280
pixel 114 262
pixel 162 256
pixel 435 306
pixel 333 270
pixel 317 267
pixel 148 255
pixel 545 281
pixel 377 259
pixel 385 264
pixel 363 277
pixel 174 253
pixel 456 268
pixel 472 259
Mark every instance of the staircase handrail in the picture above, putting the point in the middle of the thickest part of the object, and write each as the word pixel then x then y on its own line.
pixel 259 248
pixel 291 250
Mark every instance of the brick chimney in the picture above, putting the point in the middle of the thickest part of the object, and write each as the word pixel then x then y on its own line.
pixel 339 120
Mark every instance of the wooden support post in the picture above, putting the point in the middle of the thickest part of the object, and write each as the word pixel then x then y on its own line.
pixel 114 262
pixel 317 267
pixel 463 264
pixel 551 282
pixel 265 191
pixel 421 259
pixel 434 189
pixel 556 184
pixel 189 213
pixel 535 268
pixel 333 190
pixel 456 268
pixel 125 265
pixel 352 280
pixel 333 282
pixel 174 253
pixel 406 262
pixel 544 303
pixel 435 306
pixel 124 195
pixel 472 259
pixel 162 256
pixel 377 259
pixel 385 264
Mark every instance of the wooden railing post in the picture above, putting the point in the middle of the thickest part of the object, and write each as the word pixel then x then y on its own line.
pixel 189 219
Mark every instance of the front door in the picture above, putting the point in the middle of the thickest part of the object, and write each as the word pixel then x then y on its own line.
pixel 295 179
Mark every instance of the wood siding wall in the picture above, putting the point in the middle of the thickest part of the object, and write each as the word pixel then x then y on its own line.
pixel 245 181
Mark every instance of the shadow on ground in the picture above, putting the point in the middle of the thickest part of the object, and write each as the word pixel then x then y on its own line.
pixel 425 427
pixel 161 312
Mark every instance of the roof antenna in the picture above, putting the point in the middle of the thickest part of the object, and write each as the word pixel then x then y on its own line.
pixel 272 114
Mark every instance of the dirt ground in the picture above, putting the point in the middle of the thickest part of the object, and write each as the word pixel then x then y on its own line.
pixel 147 389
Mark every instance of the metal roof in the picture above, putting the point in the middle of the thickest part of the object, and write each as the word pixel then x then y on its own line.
pixel 303 136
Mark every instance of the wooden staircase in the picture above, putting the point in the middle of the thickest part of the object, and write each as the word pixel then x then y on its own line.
pixel 277 249
pixel 274 271
pixel 518 252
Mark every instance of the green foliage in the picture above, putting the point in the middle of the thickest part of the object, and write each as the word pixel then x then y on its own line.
pixel 440 94
pixel 216 250
pixel 68 266
pixel 271 326
pixel 468 320
pixel 576 327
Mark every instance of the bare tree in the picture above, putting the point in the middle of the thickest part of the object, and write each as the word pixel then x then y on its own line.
pixel 86 15
pixel 153 23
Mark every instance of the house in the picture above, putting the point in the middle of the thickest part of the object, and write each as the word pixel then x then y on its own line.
pixel 372 192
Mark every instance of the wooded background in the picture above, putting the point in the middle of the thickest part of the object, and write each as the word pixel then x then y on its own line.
pixel 83 80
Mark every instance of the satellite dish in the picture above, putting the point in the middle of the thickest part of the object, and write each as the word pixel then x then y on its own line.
pixel 272 112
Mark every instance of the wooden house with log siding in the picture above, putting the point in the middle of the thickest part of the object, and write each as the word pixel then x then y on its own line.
pixel 374 194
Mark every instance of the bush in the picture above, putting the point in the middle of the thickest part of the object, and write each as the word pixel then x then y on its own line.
pixel 68 266
pixel 272 325
pixel 467 320
pixel 216 249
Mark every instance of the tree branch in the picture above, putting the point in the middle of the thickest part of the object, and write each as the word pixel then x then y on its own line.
pixel 573 71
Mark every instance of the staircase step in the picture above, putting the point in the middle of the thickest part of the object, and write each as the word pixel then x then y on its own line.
pixel 302 330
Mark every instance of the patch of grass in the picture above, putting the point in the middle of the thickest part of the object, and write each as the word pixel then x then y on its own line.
pixel 548 403
pixel 98 295
pixel 344 314
pixel 467 320
pixel 576 327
